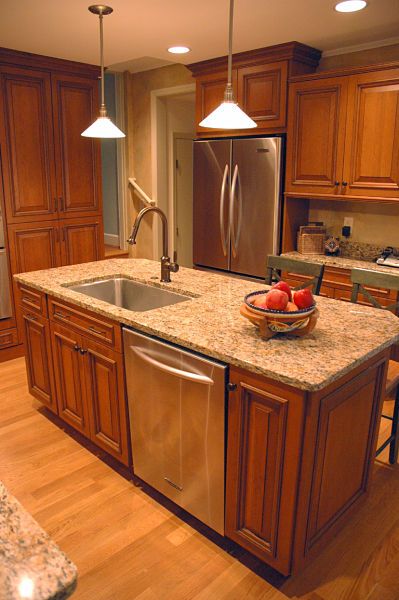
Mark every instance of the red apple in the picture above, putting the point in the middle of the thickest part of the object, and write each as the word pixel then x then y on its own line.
pixel 303 298
pixel 284 287
pixel 259 300
pixel 276 299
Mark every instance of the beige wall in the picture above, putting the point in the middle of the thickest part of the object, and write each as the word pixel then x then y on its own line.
pixel 365 57
pixel 138 106
pixel 372 223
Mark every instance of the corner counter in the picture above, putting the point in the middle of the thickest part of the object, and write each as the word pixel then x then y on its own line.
pixel 31 565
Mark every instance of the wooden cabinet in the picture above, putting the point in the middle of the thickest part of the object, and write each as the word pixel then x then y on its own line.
pixel 343 136
pixel 259 81
pixel 78 158
pixel 26 134
pixel 82 240
pixel 263 452
pixel 38 357
pixel 34 246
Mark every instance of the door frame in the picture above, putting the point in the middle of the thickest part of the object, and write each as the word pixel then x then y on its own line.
pixel 159 142
pixel 173 186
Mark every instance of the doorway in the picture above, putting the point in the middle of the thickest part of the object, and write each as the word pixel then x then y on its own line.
pixel 173 130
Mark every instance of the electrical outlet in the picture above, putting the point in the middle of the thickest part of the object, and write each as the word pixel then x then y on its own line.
pixel 348 222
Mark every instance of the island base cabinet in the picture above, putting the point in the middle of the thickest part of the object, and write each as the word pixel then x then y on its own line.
pixel 90 390
pixel 38 359
pixel 265 423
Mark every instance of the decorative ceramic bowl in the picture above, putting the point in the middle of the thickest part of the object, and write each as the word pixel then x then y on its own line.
pixel 272 322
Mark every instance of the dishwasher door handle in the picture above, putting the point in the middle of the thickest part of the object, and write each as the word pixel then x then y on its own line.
pixel 171 370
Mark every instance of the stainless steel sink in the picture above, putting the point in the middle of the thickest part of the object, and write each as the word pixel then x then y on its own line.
pixel 129 294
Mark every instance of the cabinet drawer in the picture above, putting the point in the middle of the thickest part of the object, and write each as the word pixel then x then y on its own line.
pixel 33 301
pixel 95 327
pixel 8 338
pixel 345 296
pixel 327 292
pixel 340 278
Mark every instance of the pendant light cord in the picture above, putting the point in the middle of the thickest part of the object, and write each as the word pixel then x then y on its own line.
pixel 103 110
pixel 228 96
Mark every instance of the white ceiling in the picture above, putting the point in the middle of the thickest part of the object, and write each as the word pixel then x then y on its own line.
pixel 137 34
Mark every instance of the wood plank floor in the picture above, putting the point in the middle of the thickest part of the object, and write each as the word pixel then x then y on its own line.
pixel 128 546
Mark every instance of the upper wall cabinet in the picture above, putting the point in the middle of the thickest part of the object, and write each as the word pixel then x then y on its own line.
pixel 343 137
pixel 50 171
pixel 259 81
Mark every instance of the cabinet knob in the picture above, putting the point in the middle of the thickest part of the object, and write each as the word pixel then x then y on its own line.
pixel 336 182
pixel 344 183
pixel 76 348
pixel 231 387
pixel 82 351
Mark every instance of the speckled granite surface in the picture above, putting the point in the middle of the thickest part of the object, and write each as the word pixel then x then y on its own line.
pixel 31 565
pixel 342 262
pixel 210 323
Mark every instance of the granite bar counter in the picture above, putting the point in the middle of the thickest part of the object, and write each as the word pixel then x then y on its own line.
pixel 209 322
pixel 342 262
pixel 31 565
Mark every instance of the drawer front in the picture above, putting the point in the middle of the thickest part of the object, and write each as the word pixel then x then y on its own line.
pixel 345 296
pixel 8 338
pixel 33 301
pixel 340 278
pixel 327 292
pixel 95 327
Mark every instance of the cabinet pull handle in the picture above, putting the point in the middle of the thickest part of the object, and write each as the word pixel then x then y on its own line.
pixel 31 317
pixel 62 234
pixel 76 348
pixel 61 204
pixel 82 351
pixel 336 182
pixel 98 331
pixel 231 387
pixel 61 315
pixel 344 183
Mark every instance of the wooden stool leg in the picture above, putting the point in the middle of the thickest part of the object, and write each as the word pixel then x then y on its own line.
pixel 394 445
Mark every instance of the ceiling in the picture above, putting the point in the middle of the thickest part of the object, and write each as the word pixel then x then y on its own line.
pixel 138 34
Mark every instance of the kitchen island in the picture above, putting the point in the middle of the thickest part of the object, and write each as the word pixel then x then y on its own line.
pixel 302 413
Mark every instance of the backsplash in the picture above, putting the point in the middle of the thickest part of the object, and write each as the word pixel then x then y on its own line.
pixel 359 250
pixel 375 225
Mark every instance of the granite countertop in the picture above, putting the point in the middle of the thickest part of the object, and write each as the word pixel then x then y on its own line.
pixel 31 565
pixel 342 262
pixel 345 335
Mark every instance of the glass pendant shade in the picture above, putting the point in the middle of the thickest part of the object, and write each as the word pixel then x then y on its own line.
pixel 228 115
pixel 103 127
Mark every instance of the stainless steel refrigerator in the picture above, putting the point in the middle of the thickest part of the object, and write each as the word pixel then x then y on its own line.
pixel 237 189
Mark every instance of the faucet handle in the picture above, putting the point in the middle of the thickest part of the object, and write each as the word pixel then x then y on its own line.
pixel 174 267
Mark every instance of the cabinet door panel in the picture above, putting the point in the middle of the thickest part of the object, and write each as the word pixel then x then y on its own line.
pixel 33 247
pixel 262 94
pixel 315 141
pixel 264 437
pixel 372 150
pixel 82 241
pixel 38 359
pixel 78 158
pixel 69 378
pixel 106 399
pixel 209 94
pixel 27 141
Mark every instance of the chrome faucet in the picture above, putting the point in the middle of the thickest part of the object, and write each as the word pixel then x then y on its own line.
pixel 167 267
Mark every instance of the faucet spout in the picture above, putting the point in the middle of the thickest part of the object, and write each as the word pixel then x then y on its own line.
pixel 166 265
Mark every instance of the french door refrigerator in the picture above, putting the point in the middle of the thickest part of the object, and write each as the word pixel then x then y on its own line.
pixel 237 188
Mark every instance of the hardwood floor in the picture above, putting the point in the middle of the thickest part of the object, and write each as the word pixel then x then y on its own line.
pixel 113 252
pixel 128 546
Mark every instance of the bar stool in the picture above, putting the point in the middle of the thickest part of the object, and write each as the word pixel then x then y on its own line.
pixel 276 264
pixel 375 279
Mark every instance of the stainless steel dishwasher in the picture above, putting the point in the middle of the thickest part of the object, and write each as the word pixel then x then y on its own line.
pixel 177 423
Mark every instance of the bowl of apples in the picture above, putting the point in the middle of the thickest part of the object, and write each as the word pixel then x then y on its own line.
pixel 281 310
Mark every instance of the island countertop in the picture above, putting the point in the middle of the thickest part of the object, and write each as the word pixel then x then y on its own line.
pixel 345 336
pixel 31 565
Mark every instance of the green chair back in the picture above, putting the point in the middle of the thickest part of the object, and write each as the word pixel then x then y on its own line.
pixel 276 264
pixel 373 279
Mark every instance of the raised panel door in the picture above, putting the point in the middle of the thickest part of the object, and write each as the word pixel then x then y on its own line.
pixel 39 359
pixel 264 436
pixel 106 399
pixel 316 136
pixel 27 144
pixel 69 378
pixel 372 147
pixel 82 240
pixel 34 246
pixel 262 94
pixel 75 104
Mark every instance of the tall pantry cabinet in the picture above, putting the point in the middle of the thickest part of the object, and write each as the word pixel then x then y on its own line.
pixel 51 174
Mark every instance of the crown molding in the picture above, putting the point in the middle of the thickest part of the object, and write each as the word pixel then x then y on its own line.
pixel 359 47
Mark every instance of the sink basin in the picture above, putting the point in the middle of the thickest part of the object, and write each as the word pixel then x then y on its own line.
pixel 129 294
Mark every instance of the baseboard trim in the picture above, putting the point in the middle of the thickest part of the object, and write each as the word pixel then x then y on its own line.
pixel 110 239
pixel 11 353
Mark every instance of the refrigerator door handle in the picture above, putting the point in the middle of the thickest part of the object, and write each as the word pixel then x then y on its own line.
pixel 224 236
pixel 235 235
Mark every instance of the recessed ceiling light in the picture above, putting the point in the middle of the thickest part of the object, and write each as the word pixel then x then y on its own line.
pixel 179 49
pixel 348 6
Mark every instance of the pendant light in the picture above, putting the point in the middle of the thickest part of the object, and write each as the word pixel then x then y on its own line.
pixel 228 115
pixel 103 127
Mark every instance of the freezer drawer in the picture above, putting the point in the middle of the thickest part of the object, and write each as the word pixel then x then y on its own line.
pixel 177 419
